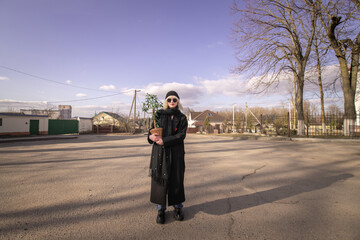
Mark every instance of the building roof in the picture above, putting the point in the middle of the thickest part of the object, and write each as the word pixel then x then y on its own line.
pixel 21 114
pixel 82 118
pixel 200 116
pixel 113 115
pixel 194 114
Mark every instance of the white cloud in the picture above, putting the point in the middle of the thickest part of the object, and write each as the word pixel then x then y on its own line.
pixel 189 93
pixel 16 105
pixel 284 83
pixel 281 86
pixel 231 85
pixel 81 95
pixel 3 78
pixel 129 91
pixel 68 82
pixel 90 110
pixel 108 87
pixel 330 79
pixel 224 90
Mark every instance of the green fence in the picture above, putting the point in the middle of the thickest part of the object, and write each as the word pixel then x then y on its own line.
pixel 63 126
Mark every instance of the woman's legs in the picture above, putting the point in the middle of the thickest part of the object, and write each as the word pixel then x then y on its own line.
pixel 160 218
pixel 161 207
pixel 178 214
pixel 178 205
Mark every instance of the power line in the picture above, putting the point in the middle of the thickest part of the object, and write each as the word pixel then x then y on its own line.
pixel 85 99
pixel 53 81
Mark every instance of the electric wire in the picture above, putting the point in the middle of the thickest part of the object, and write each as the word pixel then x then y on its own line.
pixel 53 81
pixel 70 85
pixel 86 99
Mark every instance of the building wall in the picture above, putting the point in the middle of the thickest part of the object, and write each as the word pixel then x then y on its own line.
pixel 104 119
pixel 20 125
pixel 104 123
pixel 85 125
pixel 65 111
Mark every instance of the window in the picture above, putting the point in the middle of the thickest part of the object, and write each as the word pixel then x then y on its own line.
pixel 209 114
pixel 0 121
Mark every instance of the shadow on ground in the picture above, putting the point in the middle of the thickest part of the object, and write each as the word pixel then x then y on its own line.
pixel 232 204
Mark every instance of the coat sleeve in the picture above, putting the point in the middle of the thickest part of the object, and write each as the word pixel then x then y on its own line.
pixel 179 136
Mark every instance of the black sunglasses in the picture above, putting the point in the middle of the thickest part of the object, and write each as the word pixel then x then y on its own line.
pixel 173 99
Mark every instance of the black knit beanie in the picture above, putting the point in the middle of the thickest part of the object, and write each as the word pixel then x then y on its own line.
pixel 172 93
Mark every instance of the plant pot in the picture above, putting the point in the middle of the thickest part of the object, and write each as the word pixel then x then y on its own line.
pixel 157 131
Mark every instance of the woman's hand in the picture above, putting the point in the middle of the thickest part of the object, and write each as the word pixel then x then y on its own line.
pixel 160 141
pixel 154 137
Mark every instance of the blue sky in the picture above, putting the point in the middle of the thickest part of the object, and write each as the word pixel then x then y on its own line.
pixel 90 48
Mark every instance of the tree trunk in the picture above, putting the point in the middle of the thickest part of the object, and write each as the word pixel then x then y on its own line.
pixel 294 103
pixel 299 101
pixel 318 61
pixel 348 76
pixel 349 98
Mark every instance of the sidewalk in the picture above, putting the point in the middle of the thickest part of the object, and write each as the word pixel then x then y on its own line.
pixel 278 138
pixel 36 138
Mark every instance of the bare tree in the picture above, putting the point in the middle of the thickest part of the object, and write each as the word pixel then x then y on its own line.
pixel 334 109
pixel 320 82
pixel 341 21
pixel 274 37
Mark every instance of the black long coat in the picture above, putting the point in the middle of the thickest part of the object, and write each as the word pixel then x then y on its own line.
pixel 174 149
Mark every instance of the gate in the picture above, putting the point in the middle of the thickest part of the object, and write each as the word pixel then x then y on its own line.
pixel 57 126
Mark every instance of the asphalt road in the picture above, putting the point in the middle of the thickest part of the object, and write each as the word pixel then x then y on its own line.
pixel 97 187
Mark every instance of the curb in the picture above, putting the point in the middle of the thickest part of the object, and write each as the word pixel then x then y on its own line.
pixel 324 140
pixel 26 139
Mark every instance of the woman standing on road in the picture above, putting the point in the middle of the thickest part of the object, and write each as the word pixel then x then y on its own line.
pixel 167 164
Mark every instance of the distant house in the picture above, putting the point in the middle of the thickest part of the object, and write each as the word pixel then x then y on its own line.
pixel 196 121
pixel 23 124
pixel 106 122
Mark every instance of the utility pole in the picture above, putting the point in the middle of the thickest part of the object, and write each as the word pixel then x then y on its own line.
pixel 233 125
pixel 290 113
pixel 134 104
pixel 135 109
pixel 246 113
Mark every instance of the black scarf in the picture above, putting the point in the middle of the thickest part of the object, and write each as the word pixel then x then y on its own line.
pixel 161 164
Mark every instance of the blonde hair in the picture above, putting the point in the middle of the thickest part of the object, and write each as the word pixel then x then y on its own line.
pixel 166 104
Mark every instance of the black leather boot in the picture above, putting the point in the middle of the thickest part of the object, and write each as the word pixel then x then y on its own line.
pixel 179 215
pixel 160 218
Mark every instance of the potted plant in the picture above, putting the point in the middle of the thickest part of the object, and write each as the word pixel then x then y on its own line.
pixel 152 102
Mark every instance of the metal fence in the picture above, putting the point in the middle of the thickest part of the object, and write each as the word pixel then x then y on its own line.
pixel 331 126
pixel 63 126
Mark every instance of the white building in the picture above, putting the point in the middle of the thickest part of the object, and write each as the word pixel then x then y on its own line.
pixel 85 124
pixel 196 121
pixel 65 111
pixel 22 124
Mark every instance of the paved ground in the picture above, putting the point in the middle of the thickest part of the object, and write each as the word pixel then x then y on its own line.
pixel 96 187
